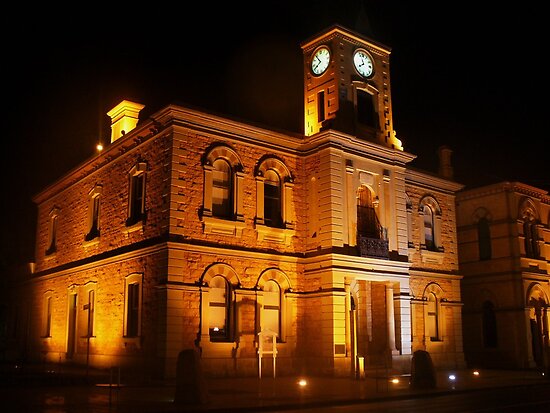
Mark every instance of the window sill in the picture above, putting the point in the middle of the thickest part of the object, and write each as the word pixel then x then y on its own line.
pixel 91 243
pixel 138 226
pixel 212 225
pixel 217 348
pixel 280 235
pixel 132 342
pixel 431 257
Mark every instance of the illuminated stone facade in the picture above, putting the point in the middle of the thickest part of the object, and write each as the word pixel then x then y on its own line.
pixel 504 249
pixel 193 231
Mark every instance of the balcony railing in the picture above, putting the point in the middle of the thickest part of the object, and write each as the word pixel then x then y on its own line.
pixel 373 247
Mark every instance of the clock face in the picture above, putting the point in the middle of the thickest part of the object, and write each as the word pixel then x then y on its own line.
pixel 320 60
pixel 363 63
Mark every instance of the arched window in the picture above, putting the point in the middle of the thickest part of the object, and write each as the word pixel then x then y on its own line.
pixel 367 221
pixel 484 239
pixel 220 304
pixel 222 201
pixel 52 231
pixel 432 320
pixel 531 235
pixel 430 216
pixel 272 307
pixel 272 199
pixel 94 202
pixel 223 191
pixel 490 337
pixel 274 316
pixel 429 236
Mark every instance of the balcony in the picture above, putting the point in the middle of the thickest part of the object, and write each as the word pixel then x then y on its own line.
pixel 373 247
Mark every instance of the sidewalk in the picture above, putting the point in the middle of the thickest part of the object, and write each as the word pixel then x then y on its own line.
pixel 71 390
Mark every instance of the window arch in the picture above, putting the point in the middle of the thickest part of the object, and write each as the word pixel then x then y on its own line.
pixel 222 195
pixel 223 190
pixel 218 303
pixel 274 285
pixel 429 227
pixel 219 309
pixel 368 224
pixel 430 214
pixel 274 187
pixel 537 302
pixel 273 216
pixel 433 296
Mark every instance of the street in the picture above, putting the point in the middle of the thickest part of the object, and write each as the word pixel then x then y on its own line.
pixel 534 398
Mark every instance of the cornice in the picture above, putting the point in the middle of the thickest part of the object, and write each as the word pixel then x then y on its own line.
pixel 505 186
pixel 431 181
pixel 350 36
pixel 356 146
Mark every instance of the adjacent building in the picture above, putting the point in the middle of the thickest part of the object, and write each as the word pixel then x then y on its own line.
pixel 195 231
pixel 504 250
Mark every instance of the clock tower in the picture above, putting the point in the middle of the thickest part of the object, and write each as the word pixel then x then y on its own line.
pixel 347 86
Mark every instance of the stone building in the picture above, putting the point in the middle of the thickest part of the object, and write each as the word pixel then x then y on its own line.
pixel 504 250
pixel 195 231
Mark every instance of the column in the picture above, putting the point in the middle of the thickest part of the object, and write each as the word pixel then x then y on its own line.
pixel 391 319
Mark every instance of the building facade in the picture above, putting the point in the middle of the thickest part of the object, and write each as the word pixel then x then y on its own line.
pixel 504 249
pixel 195 231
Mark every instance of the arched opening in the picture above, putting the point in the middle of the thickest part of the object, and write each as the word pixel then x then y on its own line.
pixel 484 239
pixel 219 309
pixel 489 325
pixel 272 307
pixel 222 201
pixel 272 199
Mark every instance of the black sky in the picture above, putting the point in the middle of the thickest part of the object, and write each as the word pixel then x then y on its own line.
pixel 463 75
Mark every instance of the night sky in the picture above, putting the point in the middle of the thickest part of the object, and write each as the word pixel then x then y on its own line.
pixel 471 78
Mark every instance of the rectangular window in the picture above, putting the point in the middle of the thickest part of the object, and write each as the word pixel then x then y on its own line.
pixel 93 224
pixel 52 236
pixel 48 317
pixel 132 319
pixel 137 189
pixel 90 308
pixel 365 109
pixel 432 321
pixel 321 106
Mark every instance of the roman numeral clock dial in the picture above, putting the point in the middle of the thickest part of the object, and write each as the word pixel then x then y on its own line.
pixel 320 60
pixel 363 63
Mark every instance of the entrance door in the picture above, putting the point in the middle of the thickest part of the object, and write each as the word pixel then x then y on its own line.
pixel 71 326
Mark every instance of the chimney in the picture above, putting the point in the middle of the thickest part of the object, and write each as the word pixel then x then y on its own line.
pixel 124 118
pixel 445 168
